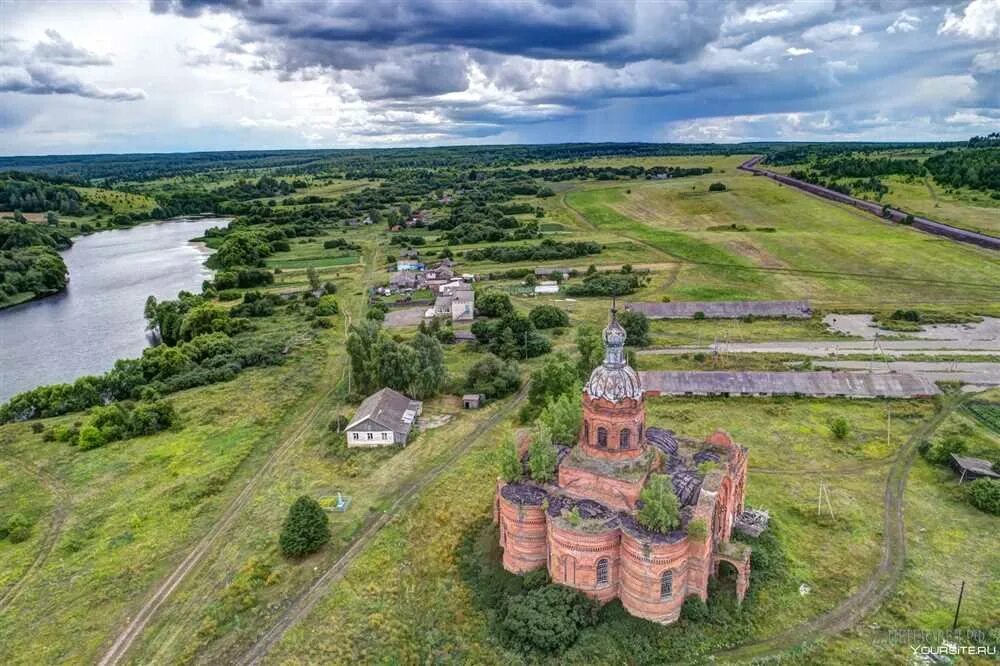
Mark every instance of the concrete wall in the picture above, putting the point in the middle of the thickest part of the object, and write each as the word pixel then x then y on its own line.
pixel 356 439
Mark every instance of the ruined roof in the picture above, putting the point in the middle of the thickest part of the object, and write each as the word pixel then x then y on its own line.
pixel 524 494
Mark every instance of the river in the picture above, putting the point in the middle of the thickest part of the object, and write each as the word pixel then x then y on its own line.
pixel 99 318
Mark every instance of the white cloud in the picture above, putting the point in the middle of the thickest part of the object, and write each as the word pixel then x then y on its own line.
pixel 979 20
pixel 830 32
pixel 905 22
pixel 795 51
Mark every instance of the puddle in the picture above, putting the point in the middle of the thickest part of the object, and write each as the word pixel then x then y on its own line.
pixel 863 325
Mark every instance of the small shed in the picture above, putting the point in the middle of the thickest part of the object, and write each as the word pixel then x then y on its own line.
pixel 473 400
pixel 971 469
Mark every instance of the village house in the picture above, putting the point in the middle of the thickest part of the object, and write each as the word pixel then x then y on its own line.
pixel 403 281
pixel 383 419
pixel 409 265
pixel 458 304
pixel 583 525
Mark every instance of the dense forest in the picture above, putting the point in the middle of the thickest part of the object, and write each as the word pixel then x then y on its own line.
pixel 30 264
pixel 38 194
pixel 977 168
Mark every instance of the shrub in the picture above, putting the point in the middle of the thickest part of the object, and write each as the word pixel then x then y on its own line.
pixel 940 451
pixel 547 619
pixel 493 377
pixel 984 494
pixel 717 187
pixel 660 511
pixel 839 427
pixel 697 529
pixel 511 468
pixel 306 528
pixel 548 316
pixel 698 315
pixel 327 306
pixel 694 609
pixel 18 528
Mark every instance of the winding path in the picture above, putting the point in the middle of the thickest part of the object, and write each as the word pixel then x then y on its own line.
pixel 306 601
pixel 880 583
pixel 56 524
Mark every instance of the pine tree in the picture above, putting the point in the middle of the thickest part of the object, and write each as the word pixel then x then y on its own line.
pixel 306 528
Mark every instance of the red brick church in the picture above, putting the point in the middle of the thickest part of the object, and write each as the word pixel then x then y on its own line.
pixel 583 526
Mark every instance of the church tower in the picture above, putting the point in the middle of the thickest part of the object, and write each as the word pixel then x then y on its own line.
pixel 614 412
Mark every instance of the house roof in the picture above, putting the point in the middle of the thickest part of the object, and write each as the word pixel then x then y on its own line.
pixel 976 466
pixel 389 409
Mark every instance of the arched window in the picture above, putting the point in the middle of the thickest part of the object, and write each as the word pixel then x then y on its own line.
pixel 602 438
pixel 666 584
pixel 602 572
pixel 623 439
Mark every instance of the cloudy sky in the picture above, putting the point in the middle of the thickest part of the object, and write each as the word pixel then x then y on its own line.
pixel 171 75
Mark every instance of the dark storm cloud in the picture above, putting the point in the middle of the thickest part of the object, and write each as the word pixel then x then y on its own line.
pixel 41 80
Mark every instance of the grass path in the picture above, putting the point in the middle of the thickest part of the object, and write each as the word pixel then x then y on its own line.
pixel 878 585
pixel 127 636
pixel 305 602
pixel 52 534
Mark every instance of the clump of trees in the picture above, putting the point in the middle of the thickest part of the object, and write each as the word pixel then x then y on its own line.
pixel 606 284
pixel 636 326
pixel 306 528
pixel 29 259
pixel 125 420
pixel 493 377
pixel 660 510
pixel 548 249
pixel 415 368
pixel 547 619
pixel 511 336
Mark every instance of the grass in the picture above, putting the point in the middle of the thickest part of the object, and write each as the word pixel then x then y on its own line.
pixel 404 599
pixel 818 251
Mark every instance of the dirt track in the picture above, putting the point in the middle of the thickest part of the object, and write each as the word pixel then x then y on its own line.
pixel 305 602
pixel 55 528
pixel 878 585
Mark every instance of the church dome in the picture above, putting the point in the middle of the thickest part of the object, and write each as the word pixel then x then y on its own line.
pixel 614 380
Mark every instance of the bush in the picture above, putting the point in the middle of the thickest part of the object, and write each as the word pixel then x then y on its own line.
pixel 548 316
pixel 984 494
pixel 698 315
pixel 940 451
pixel 839 427
pixel 547 619
pixel 18 528
pixel 542 458
pixel 697 529
pixel 717 187
pixel 511 468
pixel 694 609
pixel 327 306
pixel 306 528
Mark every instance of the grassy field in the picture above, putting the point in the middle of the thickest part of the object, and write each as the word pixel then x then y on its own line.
pixel 404 600
pixel 810 248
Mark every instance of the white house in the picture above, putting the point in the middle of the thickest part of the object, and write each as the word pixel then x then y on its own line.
pixel 383 419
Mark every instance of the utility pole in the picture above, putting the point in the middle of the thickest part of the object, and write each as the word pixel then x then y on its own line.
pixel 888 424
pixel 958 607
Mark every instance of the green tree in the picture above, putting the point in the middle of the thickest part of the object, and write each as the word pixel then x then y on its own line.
pixel 548 316
pixel 542 455
pixel 660 511
pixel 306 528
pixel 564 416
pixel 90 437
pixel 493 377
pixel 326 306
pixel 363 345
pixel 204 318
pixel 313 276
pixel 557 376
pixel 52 218
pixel 547 619
pixel 590 347
pixel 431 372
pixel 397 365
pixel 493 303
pixel 18 528
pixel 636 327
pixel 510 461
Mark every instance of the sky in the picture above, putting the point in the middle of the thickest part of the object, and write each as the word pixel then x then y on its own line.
pixel 184 75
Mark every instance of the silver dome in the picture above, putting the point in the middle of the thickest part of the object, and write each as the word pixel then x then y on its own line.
pixel 614 379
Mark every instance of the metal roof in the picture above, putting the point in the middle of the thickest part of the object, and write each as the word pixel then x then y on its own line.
pixel 387 408
pixel 822 384
pixel 723 309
